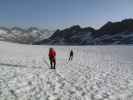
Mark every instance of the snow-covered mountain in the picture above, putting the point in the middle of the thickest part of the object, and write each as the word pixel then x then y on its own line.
pixel 115 33
pixel 20 35
pixel 110 33
pixel 74 35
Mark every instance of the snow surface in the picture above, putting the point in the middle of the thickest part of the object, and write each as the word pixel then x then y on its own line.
pixel 96 73
pixel 3 32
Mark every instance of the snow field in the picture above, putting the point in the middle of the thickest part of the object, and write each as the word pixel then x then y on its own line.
pixel 96 73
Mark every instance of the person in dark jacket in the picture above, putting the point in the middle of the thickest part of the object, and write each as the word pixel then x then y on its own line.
pixel 52 58
pixel 71 55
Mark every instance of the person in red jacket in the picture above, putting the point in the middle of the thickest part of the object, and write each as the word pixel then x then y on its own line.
pixel 52 58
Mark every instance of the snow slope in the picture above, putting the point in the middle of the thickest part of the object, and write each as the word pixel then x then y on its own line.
pixel 96 73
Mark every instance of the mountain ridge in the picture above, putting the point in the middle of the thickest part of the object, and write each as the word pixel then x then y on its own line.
pixel 21 35
pixel 110 33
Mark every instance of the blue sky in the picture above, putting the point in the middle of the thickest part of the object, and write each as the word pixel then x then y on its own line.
pixel 53 14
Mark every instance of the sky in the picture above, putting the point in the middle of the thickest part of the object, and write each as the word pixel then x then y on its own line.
pixel 59 14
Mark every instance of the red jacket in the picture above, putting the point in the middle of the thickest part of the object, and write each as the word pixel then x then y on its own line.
pixel 52 53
